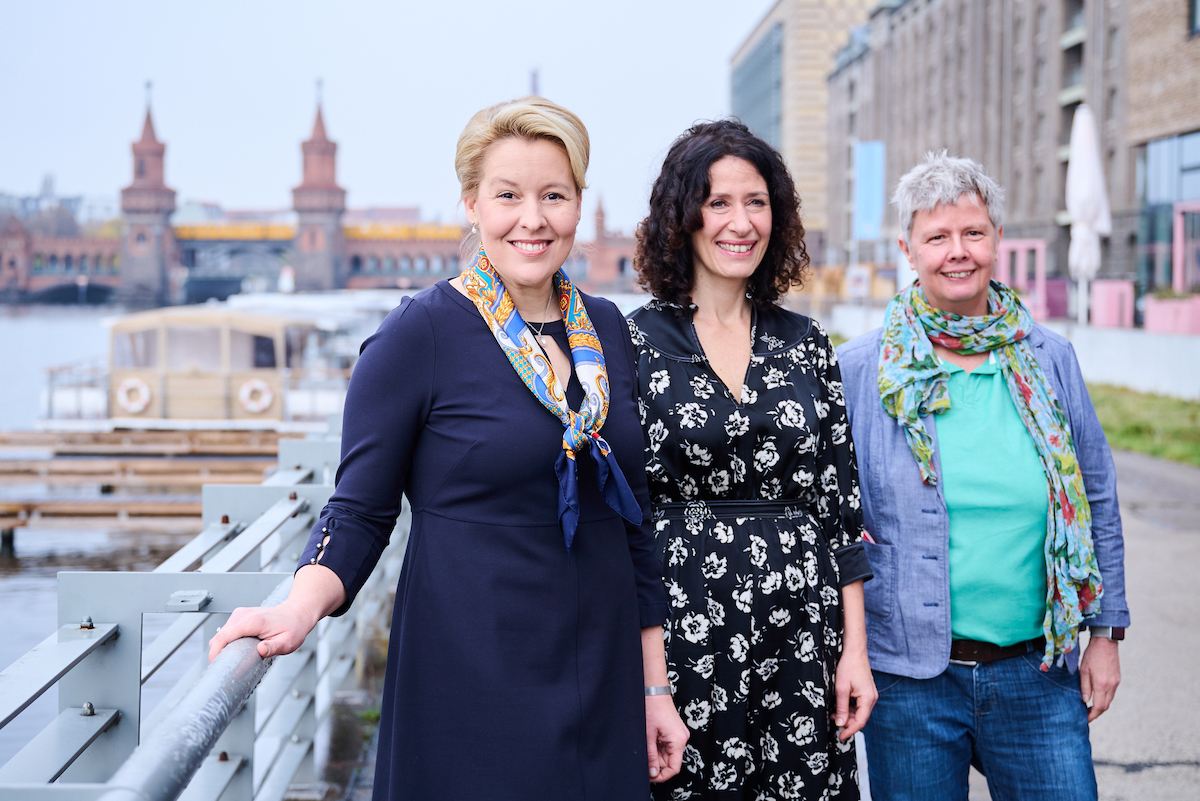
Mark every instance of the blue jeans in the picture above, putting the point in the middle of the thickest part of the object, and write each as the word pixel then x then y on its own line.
pixel 1023 729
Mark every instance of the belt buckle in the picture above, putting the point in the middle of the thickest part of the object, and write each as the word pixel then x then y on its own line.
pixel 964 662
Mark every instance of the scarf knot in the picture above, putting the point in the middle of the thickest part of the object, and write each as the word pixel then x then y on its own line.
pixel 913 384
pixel 580 428
pixel 576 435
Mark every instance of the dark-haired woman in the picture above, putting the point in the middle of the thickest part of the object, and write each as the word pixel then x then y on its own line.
pixel 752 481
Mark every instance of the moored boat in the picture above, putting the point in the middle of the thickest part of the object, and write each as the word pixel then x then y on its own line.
pixel 256 361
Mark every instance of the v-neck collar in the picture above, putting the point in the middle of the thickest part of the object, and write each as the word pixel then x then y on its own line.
pixel 669 329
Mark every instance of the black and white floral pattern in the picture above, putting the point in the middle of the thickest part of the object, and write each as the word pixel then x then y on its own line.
pixel 756 625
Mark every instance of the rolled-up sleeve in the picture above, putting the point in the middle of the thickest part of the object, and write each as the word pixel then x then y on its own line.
pixel 387 403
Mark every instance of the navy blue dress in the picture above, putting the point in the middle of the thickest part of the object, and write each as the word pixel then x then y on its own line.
pixel 514 668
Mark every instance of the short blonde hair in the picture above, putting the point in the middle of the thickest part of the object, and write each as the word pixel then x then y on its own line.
pixel 528 118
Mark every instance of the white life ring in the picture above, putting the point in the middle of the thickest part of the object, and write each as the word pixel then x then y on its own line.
pixel 256 396
pixel 133 395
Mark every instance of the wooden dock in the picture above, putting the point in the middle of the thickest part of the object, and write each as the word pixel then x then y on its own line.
pixel 169 471
pixel 18 513
pixel 124 474
pixel 148 442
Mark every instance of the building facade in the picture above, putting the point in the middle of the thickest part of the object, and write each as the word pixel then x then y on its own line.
pixel 778 88
pixel 996 82
pixel 1164 132
pixel 608 259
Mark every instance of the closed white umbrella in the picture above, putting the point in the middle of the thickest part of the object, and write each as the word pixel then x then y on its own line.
pixel 1087 204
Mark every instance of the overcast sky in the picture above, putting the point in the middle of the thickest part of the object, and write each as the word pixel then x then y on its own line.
pixel 234 90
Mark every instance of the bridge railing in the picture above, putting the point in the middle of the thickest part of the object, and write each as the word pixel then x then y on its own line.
pixel 240 729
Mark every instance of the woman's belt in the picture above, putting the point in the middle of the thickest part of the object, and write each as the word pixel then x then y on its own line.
pixel 726 509
pixel 974 652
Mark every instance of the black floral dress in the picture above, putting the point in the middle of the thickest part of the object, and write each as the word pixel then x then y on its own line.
pixel 757 519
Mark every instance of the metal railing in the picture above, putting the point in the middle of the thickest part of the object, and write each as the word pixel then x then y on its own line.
pixel 240 729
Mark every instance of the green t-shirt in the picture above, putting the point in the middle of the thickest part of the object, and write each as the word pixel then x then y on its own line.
pixel 997 497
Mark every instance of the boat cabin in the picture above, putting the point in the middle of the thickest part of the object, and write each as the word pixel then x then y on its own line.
pixel 207 363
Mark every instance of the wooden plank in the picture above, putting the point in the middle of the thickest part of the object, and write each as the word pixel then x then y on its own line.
pixel 117 466
pixel 102 507
pixel 147 442
pixel 143 480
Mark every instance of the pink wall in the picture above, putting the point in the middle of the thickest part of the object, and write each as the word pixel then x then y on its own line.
pixel 1183 254
pixel 1172 315
pixel 1017 251
pixel 1112 303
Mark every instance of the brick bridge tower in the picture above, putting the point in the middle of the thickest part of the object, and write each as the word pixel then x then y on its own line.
pixel 147 243
pixel 320 247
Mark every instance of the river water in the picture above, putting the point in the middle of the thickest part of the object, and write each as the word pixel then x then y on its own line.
pixel 33 338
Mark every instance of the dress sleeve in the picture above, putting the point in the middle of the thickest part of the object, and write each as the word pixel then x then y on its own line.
pixel 839 504
pixel 387 403
pixel 652 595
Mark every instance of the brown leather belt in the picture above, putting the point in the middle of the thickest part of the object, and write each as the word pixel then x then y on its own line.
pixel 983 652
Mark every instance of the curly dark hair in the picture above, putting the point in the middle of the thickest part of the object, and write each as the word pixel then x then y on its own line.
pixel 664 258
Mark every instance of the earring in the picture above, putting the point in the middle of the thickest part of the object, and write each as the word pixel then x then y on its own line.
pixel 473 229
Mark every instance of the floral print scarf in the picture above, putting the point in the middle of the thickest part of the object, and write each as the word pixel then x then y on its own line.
pixel 913 384
pixel 582 428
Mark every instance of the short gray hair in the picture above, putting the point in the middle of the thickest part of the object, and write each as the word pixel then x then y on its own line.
pixel 944 179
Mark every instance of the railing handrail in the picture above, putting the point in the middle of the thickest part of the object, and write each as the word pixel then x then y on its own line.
pixel 160 768
pixel 265 732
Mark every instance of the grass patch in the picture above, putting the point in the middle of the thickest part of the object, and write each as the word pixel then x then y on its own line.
pixel 1168 428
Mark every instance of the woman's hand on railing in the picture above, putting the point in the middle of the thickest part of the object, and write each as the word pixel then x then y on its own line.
pixel 281 629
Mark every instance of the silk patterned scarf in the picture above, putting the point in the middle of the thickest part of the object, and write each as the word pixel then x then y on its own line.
pixel 913 384
pixel 581 429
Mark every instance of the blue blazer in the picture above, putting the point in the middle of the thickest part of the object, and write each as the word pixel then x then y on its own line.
pixel 908 601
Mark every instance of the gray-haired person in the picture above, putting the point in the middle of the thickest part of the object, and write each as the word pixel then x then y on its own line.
pixel 989 493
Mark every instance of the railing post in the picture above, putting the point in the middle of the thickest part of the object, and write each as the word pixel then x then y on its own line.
pixel 109 678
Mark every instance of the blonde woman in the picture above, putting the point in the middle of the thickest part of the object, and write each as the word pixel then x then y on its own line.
pixel 526 658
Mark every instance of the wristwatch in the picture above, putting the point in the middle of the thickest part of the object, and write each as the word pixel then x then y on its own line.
pixel 1115 633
